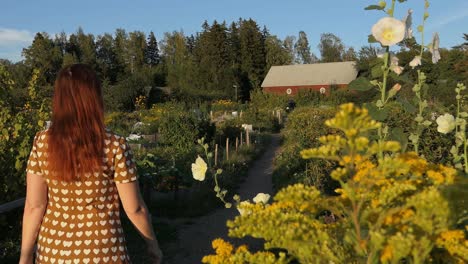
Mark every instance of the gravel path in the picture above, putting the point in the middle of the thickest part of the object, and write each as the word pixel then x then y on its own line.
pixel 194 240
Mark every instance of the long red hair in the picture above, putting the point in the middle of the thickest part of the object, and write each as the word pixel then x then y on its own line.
pixel 76 135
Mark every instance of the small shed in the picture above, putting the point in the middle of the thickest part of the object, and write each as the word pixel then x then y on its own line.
pixel 289 79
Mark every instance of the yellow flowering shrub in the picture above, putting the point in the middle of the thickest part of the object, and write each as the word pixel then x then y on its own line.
pixel 225 254
pixel 391 206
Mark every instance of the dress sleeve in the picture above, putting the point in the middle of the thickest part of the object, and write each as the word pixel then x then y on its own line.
pixel 33 165
pixel 124 164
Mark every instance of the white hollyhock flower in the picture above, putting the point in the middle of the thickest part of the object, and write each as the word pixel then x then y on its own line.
pixel 445 123
pixel 199 169
pixel 389 31
pixel 415 62
pixel 397 69
pixel 262 197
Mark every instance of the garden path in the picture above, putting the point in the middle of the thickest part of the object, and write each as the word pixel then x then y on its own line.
pixel 194 240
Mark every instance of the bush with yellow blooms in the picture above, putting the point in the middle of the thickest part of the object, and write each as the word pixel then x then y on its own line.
pixel 391 207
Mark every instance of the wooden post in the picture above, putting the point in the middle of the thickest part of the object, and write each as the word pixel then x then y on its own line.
pixel 241 139
pixel 227 148
pixel 247 137
pixel 216 155
pixel 237 143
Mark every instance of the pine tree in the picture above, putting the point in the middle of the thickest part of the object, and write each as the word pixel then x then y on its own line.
pixel 152 51
pixel 252 55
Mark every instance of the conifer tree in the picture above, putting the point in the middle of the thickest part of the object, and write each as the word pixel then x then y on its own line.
pixel 152 51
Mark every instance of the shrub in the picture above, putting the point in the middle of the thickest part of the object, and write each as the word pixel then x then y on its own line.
pixel 392 208
pixel 302 130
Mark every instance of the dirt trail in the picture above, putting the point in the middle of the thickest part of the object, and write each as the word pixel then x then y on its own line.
pixel 194 240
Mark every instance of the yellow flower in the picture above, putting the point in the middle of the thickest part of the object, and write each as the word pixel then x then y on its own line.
pixel 389 31
pixel 199 169
pixel 386 254
pixel 222 247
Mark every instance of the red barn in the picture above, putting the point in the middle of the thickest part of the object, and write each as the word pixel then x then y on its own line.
pixel 320 77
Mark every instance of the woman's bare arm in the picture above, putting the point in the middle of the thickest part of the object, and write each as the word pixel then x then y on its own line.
pixel 34 208
pixel 137 212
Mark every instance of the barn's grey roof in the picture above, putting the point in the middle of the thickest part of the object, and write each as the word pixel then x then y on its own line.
pixel 311 74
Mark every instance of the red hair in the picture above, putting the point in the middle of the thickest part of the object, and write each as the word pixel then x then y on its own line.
pixel 76 135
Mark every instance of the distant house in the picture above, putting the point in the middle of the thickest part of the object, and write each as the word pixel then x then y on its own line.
pixel 319 77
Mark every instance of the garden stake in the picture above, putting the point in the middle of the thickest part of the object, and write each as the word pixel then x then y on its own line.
pixel 216 155
pixel 227 148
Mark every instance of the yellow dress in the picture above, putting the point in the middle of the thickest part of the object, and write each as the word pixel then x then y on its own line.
pixel 82 221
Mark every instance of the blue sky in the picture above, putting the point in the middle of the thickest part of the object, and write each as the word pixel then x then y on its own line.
pixel 21 19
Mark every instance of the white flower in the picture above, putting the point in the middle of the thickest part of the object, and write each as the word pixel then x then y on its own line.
pixel 389 31
pixel 415 62
pixel 262 197
pixel 243 211
pixel 323 90
pixel 394 60
pixel 445 123
pixel 397 69
pixel 199 169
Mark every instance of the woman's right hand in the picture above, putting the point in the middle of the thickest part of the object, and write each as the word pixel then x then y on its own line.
pixel 154 252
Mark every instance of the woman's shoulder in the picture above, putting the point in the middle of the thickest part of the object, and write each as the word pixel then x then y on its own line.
pixel 114 137
pixel 41 135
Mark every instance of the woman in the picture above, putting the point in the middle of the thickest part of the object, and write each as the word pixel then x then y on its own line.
pixel 76 173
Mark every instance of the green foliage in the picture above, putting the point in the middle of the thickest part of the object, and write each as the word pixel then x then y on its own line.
pixel 390 209
pixel 303 128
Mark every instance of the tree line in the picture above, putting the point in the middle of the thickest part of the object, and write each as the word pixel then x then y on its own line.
pixel 221 61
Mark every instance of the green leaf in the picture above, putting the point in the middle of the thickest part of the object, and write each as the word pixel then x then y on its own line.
pixel 374 7
pixel 399 135
pixel 427 123
pixel 371 39
pixel 376 113
pixel 404 78
pixel 407 106
pixel 377 72
pixel 360 84
pixel 463 114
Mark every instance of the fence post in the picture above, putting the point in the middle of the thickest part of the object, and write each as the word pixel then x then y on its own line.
pixel 216 155
pixel 247 137
pixel 237 143
pixel 241 139
pixel 227 148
